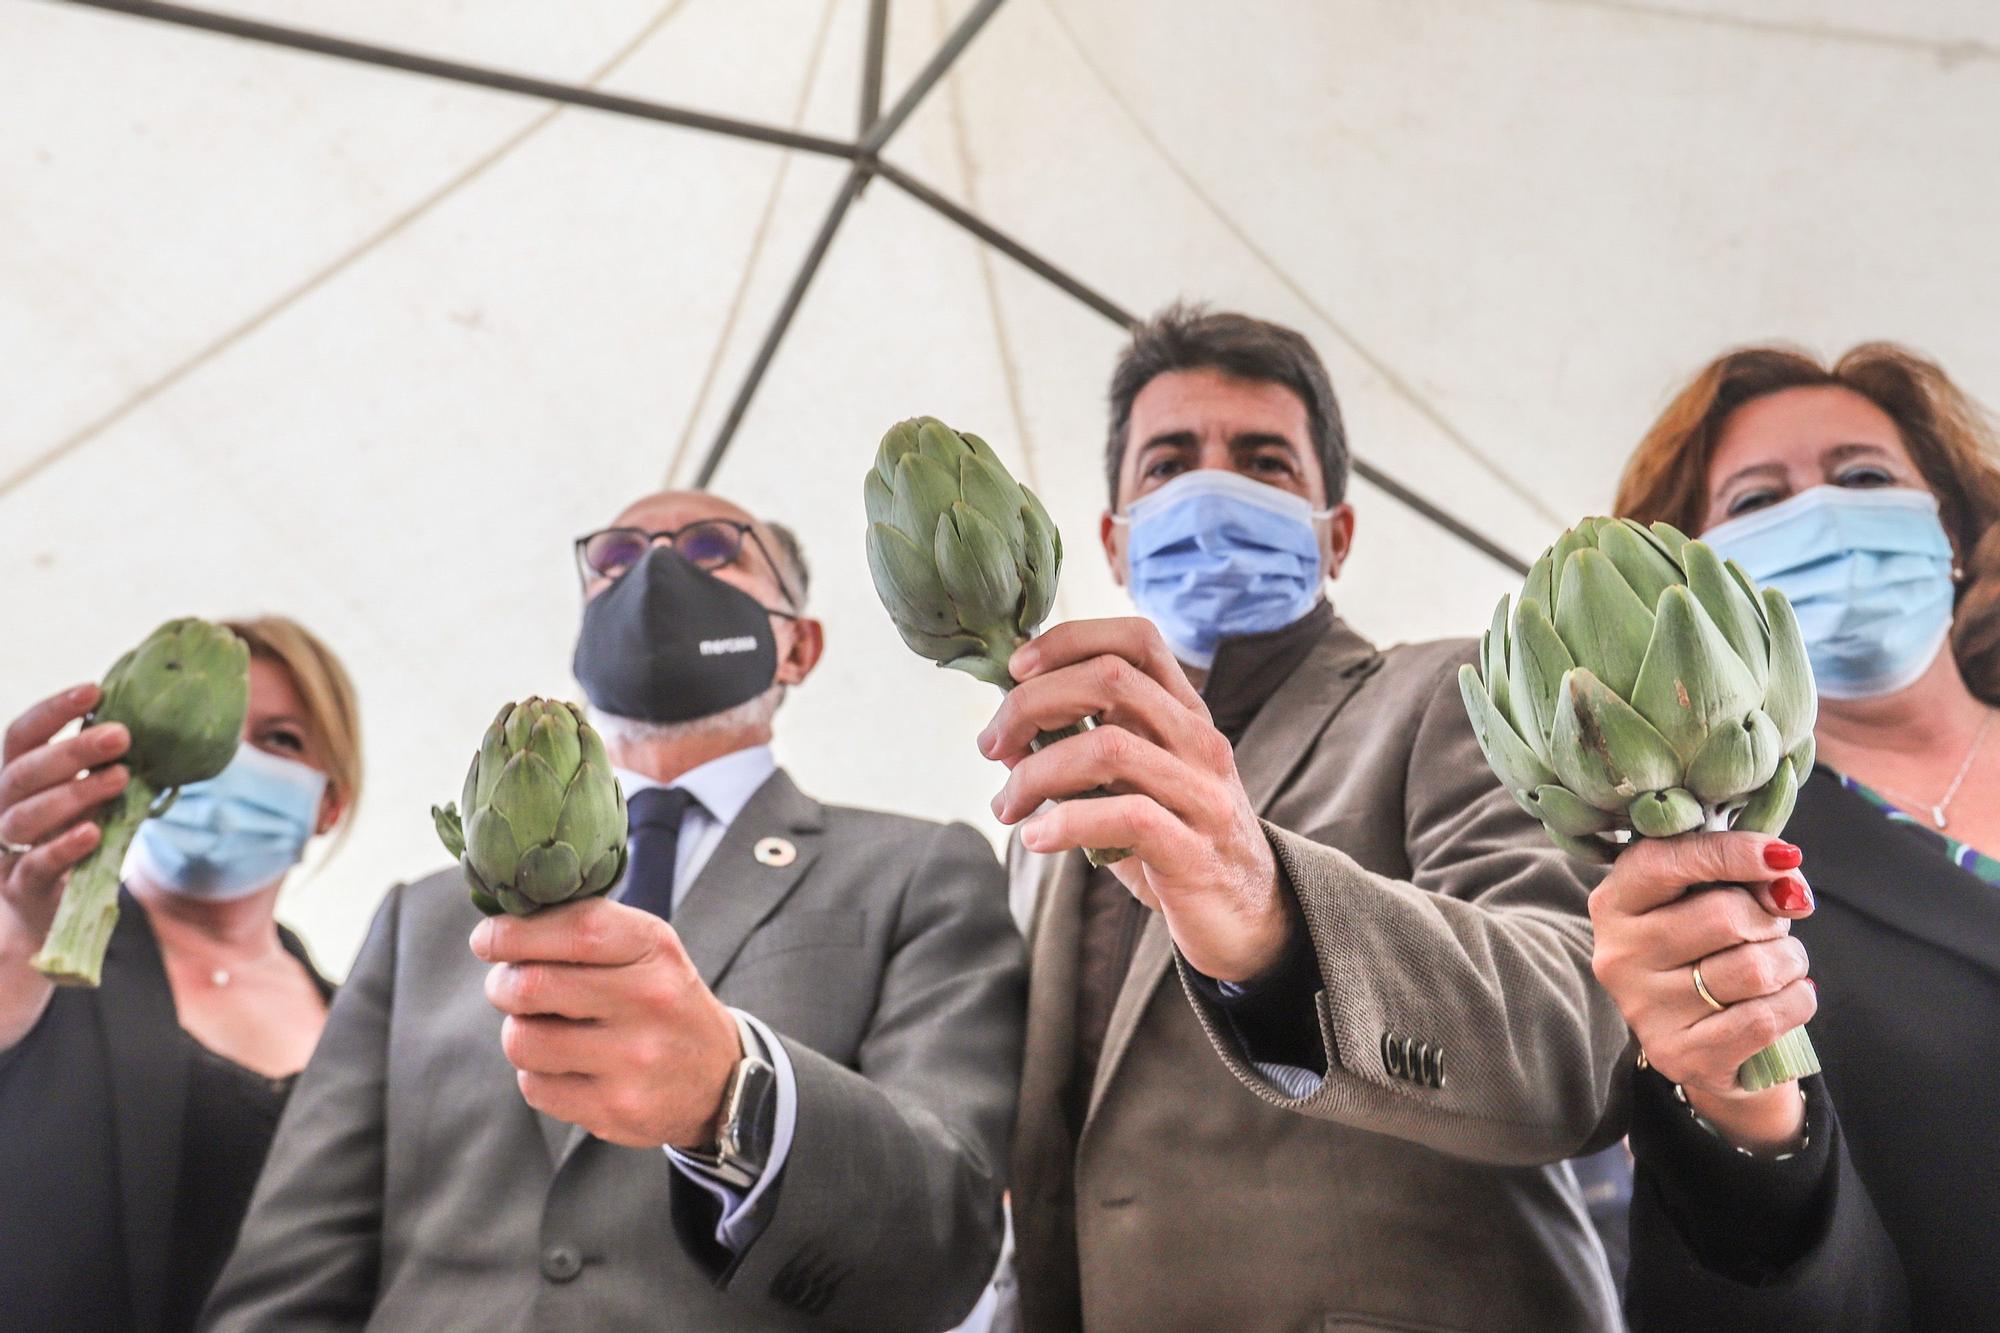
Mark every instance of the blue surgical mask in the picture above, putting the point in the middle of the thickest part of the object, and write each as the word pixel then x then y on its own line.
pixel 235 833
pixel 1213 555
pixel 1869 573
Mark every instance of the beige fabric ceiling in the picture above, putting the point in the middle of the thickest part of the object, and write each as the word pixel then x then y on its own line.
pixel 287 333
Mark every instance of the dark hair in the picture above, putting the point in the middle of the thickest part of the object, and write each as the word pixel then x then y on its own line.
pixel 1192 337
pixel 791 556
pixel 1952 440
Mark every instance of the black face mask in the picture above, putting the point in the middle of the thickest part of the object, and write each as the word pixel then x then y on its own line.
pixel 670 642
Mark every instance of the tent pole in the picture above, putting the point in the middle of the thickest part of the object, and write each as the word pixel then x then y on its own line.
pixel 857 177
pixel 871 66
pixel 876 132
pixel 1104 306
pixel 961 37
pixel 452 71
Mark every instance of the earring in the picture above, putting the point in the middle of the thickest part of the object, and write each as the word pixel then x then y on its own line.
pixel 1958 573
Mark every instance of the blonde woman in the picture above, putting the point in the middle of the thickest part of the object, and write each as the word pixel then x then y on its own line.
pixel 134 1118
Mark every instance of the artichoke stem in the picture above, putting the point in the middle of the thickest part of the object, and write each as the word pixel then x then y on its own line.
pixel 73 953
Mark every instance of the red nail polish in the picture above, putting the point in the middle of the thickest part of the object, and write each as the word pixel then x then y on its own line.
pixel 1813 984
pixel 1792 895
pixel 1782 856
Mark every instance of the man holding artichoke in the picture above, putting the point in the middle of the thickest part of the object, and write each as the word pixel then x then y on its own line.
pixel 814 1010
pixel 1307 815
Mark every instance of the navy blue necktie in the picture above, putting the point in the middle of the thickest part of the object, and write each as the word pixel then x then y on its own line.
pixel 655 821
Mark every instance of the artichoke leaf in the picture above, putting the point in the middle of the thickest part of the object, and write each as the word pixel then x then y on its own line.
pixel 1692 681
pixel 1517 765
pixel 1737 616
pixel 1662 814
pixel 1604 751
pixel 1602 621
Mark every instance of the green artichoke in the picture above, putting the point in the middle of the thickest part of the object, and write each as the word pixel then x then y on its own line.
pixel 544 819
pixel 1640 686
pixel 182 694
pixel 964 557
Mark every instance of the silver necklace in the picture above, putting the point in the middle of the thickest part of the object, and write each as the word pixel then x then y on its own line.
pixel 1937 812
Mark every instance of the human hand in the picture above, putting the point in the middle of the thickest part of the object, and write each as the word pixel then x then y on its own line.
pixel 48 790
pixel 608 1025
pixel 1651 933
pixel 1199 857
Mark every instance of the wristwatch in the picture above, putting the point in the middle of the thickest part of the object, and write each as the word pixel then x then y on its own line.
pixel 749 1118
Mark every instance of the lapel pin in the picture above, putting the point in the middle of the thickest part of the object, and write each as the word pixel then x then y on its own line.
pixel 774 852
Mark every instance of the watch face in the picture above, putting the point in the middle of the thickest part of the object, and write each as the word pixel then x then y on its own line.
pixel 752 1122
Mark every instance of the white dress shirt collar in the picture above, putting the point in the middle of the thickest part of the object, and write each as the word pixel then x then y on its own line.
pixel 723 786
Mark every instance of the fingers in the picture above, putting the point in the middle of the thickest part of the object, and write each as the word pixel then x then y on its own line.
pixel 1135 639
pixel 1787 896
pixel 597 931
pixel 545 1044
pixel 50 765
pixel 1106 687
pixel 1138 822
pixel 1751 971
pixel 554 990
pixel 1719 1044
pixel 1654 871
pixel 1101 757
pixel 36 727
pixel 39 874
pixel 48 812
pixel 1704 923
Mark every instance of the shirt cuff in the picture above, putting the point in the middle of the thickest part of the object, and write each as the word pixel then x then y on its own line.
pixel 742 1220
pixel 1744 1216
pixel 1275 1014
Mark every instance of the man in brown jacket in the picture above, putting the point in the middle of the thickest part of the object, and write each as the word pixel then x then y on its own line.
pixel 1297 801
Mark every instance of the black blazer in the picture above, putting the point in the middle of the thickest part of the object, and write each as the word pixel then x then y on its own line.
pixel 91 1126
pixel 1906 949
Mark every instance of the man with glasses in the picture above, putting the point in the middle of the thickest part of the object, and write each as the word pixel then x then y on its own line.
pixel 767 1083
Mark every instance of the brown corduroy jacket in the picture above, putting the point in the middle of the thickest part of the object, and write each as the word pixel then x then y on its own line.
pixel 1199 1195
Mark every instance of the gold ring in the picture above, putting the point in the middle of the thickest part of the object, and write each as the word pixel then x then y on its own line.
pixel 1701 989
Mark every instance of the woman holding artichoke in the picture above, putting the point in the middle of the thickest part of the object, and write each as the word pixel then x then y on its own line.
pixel 1869 493
pixel 138 1113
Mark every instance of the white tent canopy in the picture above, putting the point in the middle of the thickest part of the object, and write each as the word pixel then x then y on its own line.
pixel 369 348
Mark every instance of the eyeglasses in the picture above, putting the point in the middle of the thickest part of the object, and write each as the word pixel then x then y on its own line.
pixel 709 543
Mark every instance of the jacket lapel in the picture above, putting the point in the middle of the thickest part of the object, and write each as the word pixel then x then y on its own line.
pixel 1290 723
pixel 149 1078
pixel 1894 873
pixel 732 895
pixel 1284 731
pixel 1050 1050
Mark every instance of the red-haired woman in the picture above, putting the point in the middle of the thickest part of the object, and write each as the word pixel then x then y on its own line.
pixel 1869 492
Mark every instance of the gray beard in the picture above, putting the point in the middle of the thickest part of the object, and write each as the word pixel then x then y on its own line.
pixel 750 715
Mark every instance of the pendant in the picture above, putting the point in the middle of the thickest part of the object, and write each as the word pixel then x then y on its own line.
pixel 1937 814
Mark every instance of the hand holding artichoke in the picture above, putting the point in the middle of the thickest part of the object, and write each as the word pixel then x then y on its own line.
pixel 544 819
pixel 182 694
pixel 964 557
pixel 1640 686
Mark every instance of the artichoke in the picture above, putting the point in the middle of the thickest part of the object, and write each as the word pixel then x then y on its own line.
pixel 964 557
pixel 1640 686
pixel 544 819
pixel 182 694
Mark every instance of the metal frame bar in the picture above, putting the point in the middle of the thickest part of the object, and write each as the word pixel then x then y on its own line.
pixel 477 76
pixel 871 63
pixel 877 129
pixel 776 333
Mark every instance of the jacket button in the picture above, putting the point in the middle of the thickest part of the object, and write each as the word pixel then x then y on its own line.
pixel 1392 1055
pixel 1411 1069
pixel 1437 1073
pixel 560 1263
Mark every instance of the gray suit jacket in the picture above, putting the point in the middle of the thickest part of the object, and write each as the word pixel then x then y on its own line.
pixel 1198 1196
pixel 410 1187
